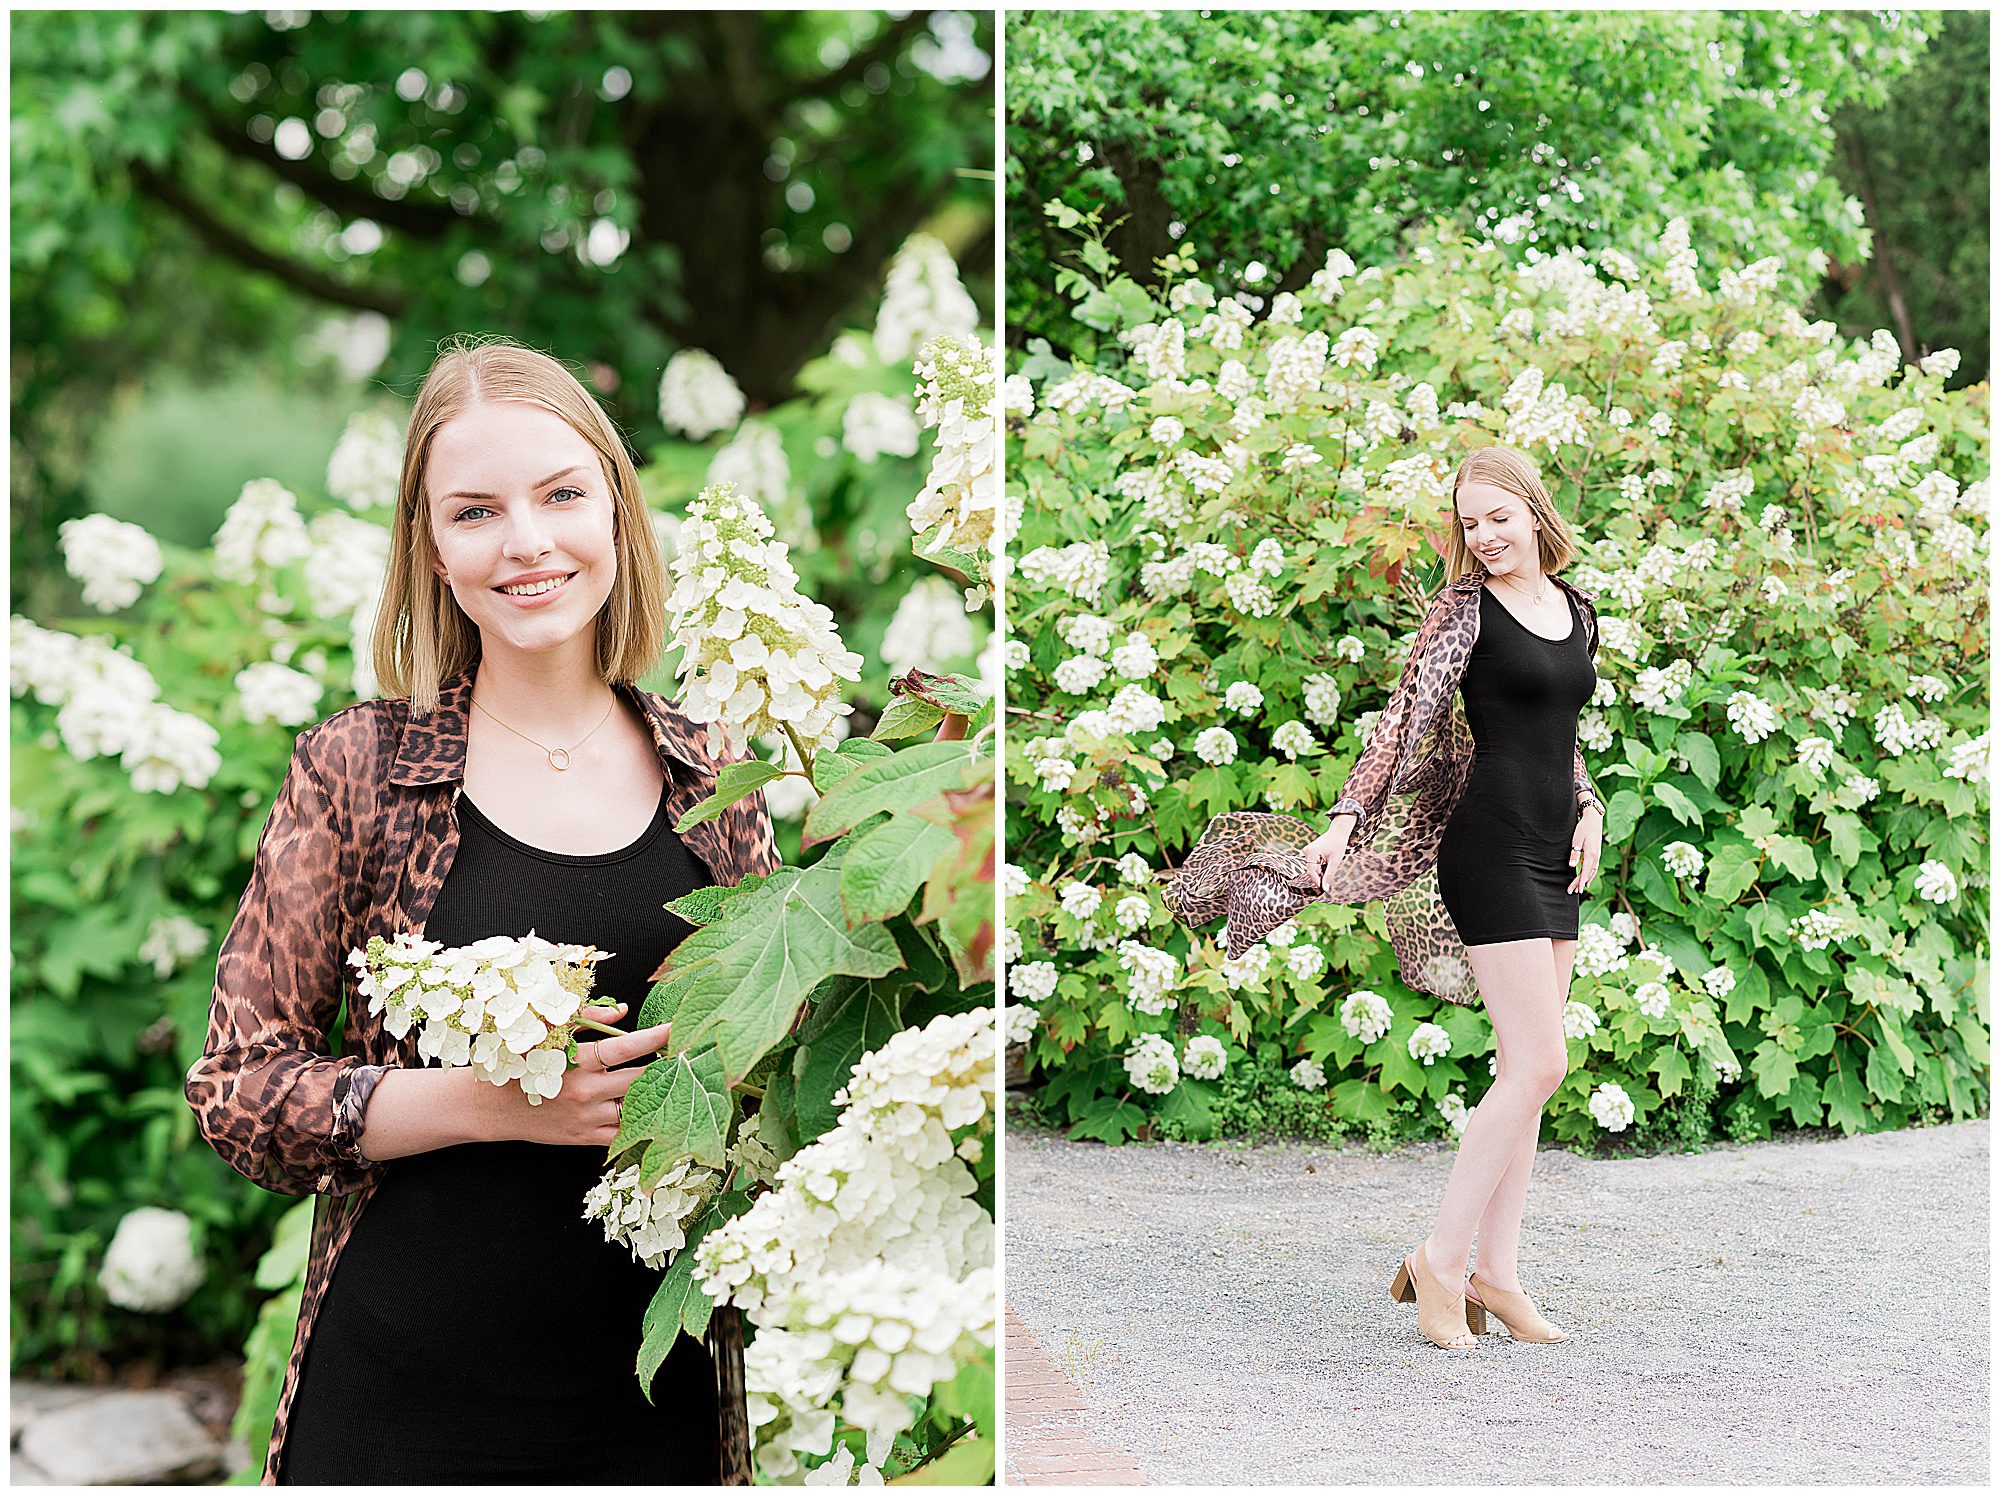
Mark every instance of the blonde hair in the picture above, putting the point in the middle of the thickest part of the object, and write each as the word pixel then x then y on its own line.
pixel 1515 471
pixel 422 637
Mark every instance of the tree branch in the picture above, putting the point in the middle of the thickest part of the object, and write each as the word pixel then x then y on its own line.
pixel 419 219
pixel 239 247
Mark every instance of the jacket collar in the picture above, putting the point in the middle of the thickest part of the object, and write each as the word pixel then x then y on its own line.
pixel 433 748
pixel 1472 581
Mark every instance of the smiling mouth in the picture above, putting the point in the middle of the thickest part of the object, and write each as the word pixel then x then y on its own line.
pixel 537 589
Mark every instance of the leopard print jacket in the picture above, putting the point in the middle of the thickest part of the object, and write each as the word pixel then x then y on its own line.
pixel 358 844
pixel 1247 865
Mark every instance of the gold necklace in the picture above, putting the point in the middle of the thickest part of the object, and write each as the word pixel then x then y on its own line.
pixel 1538 597
pixel 558 753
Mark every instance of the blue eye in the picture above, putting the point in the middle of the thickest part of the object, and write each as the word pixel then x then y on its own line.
pixel 576 491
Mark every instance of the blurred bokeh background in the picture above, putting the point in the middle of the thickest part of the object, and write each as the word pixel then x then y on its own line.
pixel 238 239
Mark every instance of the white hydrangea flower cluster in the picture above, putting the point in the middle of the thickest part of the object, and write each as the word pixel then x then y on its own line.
pixel 1971 760
pixel 922 299
pixel 1366 1015
pixel 171 942
pixel 923 1088
pixel 1152 1064
pixel 1936 883
pixel 1816 929
pixel 1081 570
pixel 867 1274
pixel 366 468
pixel 1215 745
pixel 1682 859
pixel 1611 1107
pixel 1579 1020
pixel 507 1007
pixel 757 656
pixel 956 506
pixel 875 425
pixel 1032 981
pixel 1309 1075
pixel 1452 1108
pixel 1023 1020
pixel 1204 1058
pixel 114 561
pixel 151 1265
pixel 270 692
pixel 1151 977
pixel 1653 999
pixel 345 565
pixel 1754 718
pixel 697 396
pixel 261 532
pixel 107 706
pixel 929 627
pixel 651 1222
pixel 1429 1042
pixel 1898 734
pixel 753 461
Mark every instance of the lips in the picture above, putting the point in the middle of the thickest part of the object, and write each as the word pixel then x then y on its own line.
pixel 544 589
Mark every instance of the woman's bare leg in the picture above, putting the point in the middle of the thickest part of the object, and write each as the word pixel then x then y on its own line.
pixel 1523 995
pixel 1500 1225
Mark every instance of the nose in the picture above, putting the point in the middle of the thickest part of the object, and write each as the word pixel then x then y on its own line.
pixel 527 536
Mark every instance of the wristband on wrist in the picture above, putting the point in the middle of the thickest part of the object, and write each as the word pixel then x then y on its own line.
pixel 1585 800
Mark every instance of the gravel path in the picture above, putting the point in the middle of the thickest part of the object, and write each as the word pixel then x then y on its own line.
pixel 1785 1313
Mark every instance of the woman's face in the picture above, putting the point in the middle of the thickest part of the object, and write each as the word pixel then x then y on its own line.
pixel 518 499
pixel 1499 530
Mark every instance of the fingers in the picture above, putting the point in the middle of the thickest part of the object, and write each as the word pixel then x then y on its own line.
pixel 609 1052
pixel 603 1012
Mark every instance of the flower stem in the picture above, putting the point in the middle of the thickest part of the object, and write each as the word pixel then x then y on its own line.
pixel 805 757
pixel 591 1023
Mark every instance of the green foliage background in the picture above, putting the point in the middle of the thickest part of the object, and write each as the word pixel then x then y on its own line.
pixel 1266 137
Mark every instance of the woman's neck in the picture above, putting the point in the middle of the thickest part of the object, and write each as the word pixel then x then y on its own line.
pixel 557 691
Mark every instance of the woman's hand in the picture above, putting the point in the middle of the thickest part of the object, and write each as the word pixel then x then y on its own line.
pixel 1326 854
pixel 1585 847
pixel 585 1111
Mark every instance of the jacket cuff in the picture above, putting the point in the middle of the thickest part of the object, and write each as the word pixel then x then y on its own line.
pixel 351 1091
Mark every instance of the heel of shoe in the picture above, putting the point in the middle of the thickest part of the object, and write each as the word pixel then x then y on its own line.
pixel 1475 1316
pixel 1401 1289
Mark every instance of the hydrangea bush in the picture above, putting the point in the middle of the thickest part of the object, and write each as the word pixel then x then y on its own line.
pixel 1226 513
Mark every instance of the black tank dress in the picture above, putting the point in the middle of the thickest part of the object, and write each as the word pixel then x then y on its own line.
pixel 1503 866
pixel 477 1328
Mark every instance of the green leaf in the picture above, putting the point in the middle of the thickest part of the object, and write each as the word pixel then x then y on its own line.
pixel 733 782
pixel 1774 1068
pixel 830 769
pixel 881 871
pixel 851 1018
pixel 1732 868
pixel 1671 1066
pixel 753 968
pixel 1703 759
pixel 1188 1104
pixel 969 1462
pixel 907 717
pixel 1844 830
pixel 1109 1120
pixel 679 1307
pixel 1794 856
pixel 682 1104
pixel 1846 1101
pixel 905 778
pixel 704 906
pixel 1676 800
pixel 1621 815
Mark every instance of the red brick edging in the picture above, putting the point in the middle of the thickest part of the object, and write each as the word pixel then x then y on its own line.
pixel 1051 1434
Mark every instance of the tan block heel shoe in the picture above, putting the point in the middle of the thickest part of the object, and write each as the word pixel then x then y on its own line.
pixel 1441 1310
pixel 1514 1310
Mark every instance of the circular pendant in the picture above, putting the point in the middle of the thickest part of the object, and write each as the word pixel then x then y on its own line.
pixel 558 758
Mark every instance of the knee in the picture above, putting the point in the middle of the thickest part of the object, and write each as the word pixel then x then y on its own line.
pixel 1544 1073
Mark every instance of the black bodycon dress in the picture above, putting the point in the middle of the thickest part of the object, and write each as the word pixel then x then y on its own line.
pixel 1503 865
pixel 476 1327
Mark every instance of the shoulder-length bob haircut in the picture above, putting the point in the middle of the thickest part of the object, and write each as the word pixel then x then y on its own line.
pixel 422 636
pixel 1515 471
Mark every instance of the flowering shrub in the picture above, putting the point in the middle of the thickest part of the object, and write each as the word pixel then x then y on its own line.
pixel 1224 514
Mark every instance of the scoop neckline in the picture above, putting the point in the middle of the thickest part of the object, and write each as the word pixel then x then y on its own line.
pixel 1568 602
pixel 571 859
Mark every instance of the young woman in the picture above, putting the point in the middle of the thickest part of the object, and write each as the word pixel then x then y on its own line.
pixel 1517 840
pixel 461 1320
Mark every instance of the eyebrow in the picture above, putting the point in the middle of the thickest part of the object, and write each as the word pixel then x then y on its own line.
pixel 465 493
